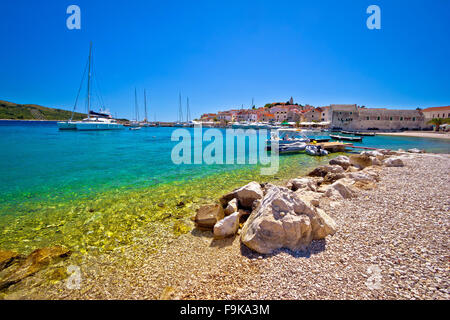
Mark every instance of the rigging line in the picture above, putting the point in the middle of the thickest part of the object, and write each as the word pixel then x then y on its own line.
pixel 98 92
pixel 97 82
pixel 79 90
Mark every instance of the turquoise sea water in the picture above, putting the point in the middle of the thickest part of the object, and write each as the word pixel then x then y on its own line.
pixel 74 188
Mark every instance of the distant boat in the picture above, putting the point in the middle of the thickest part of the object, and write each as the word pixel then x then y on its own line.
pixel 95 120
pixel 336 137
pixel 356 133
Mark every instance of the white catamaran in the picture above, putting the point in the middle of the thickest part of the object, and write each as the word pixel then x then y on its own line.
pixel 95 120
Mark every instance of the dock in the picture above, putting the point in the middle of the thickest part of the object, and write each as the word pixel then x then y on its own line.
pixel 332 146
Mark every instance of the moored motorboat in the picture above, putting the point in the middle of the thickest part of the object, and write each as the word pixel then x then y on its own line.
pixel 293 147
pixel 336 137
pixel 313 150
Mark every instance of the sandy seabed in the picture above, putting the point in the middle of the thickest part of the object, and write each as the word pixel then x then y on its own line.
pixel 392 243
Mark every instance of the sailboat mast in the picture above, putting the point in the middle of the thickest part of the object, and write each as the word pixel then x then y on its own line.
pixel 89 82
pixel 136 105
pixel 188 113
pixel 180 110
pixel 145 106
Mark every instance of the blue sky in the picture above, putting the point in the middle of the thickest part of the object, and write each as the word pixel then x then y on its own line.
pixel 223 53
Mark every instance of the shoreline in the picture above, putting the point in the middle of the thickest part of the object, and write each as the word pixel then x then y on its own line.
pixel 195 266
pixel 417 134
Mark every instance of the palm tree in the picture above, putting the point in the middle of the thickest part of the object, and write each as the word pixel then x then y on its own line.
pixel 437 122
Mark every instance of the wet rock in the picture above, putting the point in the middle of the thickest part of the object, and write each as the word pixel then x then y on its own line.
pixel 228 226
pixel 393 162
pixel 284 221
pixel 180 204
pixel 322 171
pixel 7 258
pixel 342 161
pixel 34 262
pixel 248 194
pixel 208 215
pixel 231 207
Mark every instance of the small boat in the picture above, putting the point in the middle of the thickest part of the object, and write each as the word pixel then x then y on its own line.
pixel 135 128
pixel 287 136
pixel 336 137
pixel 293 147
pixel 368 134
pixel 315 151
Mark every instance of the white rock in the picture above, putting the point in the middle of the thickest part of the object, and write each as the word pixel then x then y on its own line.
pixel 309 196
pixel 284 221
pixel 342 161
pixel 341 189
pixel 415 150
pixel 232 207
pixel 249 193
pixel 393 162
pixel 228 226
pixel 302 183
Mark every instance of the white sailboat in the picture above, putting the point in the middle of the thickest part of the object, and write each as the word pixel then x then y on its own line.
pixel 95 120
pixel 135 124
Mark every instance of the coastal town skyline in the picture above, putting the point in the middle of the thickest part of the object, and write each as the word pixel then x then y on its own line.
pixel 320 55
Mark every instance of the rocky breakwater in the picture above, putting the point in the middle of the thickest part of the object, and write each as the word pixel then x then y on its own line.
pixel 274 217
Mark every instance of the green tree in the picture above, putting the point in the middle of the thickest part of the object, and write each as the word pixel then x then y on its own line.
pixel 437 122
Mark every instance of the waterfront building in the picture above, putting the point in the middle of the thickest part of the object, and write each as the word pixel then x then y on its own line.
pixel 436 112
pixel 352 117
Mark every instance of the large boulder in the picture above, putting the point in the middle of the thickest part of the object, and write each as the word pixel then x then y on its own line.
pixel 228 226
pixel 284 221
pixel 322 171
pixel 342 161
pixel 302 183
pixel 208 215
pixel 231 207
pixel 393 162
pixel 341 189
pixel 360 161
pixel 248 194
pixel 34 262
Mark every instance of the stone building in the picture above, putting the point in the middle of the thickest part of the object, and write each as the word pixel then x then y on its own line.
pixel 436 112
pixel 357 118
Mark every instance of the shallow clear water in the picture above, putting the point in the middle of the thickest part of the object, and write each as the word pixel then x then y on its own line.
pixel 89 190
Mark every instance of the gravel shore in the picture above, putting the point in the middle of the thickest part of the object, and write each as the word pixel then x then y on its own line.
pixel 392 243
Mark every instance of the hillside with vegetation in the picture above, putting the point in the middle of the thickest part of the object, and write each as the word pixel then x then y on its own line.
pixel 13 111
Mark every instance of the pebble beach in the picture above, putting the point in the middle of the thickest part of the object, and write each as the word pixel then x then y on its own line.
pixel 391 243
